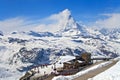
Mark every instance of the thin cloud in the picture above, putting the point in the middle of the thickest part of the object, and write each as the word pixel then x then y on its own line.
pixel 11 24
pixel 112 21
pixel 16 24
pixel 52 23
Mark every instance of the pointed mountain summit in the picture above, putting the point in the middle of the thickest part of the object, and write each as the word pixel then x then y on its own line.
pixel 67 25
pixel 67 22
pixel 62 24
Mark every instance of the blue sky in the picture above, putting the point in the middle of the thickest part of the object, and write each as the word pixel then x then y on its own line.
pixel 82 10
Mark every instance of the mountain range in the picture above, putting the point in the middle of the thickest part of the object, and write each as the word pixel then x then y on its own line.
pixel 24 49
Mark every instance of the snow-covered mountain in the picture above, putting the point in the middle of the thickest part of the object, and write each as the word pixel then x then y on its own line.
pixel 68 26
pixel 113 33
pixel 20 50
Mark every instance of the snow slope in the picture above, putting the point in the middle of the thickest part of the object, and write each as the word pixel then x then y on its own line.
pixel 112 73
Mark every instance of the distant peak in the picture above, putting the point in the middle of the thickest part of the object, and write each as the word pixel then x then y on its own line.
pixel 66 12
pixel 67 25
pixel 67 20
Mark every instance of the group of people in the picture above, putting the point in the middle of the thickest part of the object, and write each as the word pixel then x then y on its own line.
pixel 40 69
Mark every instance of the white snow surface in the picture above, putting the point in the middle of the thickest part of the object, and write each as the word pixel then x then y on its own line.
pixel 112 73
pixel 7 72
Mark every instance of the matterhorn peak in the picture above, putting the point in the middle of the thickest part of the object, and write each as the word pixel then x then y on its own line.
pixel 66 21
pixel 67 25
pixel 66 12
pixel 63 22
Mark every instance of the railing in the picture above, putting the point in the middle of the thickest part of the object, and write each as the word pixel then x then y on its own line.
pixel 68 72
pixel 44 77
pixel 101 58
